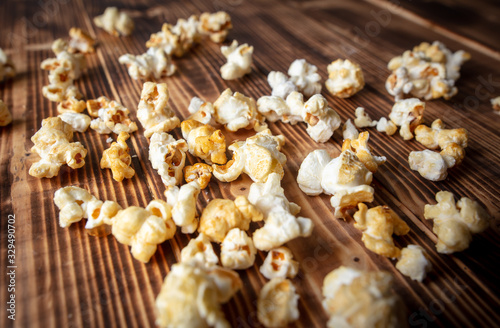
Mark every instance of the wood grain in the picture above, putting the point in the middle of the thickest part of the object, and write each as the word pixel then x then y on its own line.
pixel 65 278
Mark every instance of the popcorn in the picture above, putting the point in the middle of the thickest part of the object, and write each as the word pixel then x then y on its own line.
pixel 237 250
pixel 153 112
pixel 117 158
pixel 279 263
pixel 53 144
pixel 495 102
pixel 79 122
pixel 204 141
pixel 70 104
pixel 191 296
pixel 5 116
pixel 154 63
pixel 414 263
pixel 386 126
pixel 429 164
pixel 356 298
pixel 360 147
pixel 201 250
pixel 349 130
pixel 143 229
pixel 80 41
pixel 183 202
pixel 188 34
pixel 345 78
pixel 201 111
pixel 454 224
pixel 280 84
pixel 115 22
pixel 199 172
pixel 58 93
pixel 258 157
pixel 239 60
pixel 111 116
pixel 363 120
pixel 7 68
pixel 378 224
pixel 305 78
pixel 428 72
pixel 216 25
pixel 168 156
pixel 407 114
pixel 222 215
pixel 277 305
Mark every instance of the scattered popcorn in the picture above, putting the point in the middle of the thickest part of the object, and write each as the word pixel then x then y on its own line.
pixel 279 263
pixel 407 114
pixel 495 102
pixel 216 25
pixel 378 224
pixel 200 249
pixel 191 296
pixel 356 298
pixel 363 120
pixel 80 41
pixel 183 202
pixel 168 156
pixel 349 130
pixel 239 60
pixel 154 63
pixel 71 105
pixel 53 144
pixel 237 251
pixel 201 111
pixel 258 157
pixel 280 84
pixel 5 116
pixel 199 172
pixel 111 116
pixel 414 263
pixel 454 224
pixel 153 112
pixel 429 164
pixel 428 72
pixel 79 122
pixel 386 126
pixel 360 147
pixel 7 68
pixel 305 77
pixel 117 158
pixel 345 78
pixel 277 305
pixel 115 22
pixel 204 141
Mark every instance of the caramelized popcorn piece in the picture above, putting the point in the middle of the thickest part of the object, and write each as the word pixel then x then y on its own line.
pixel 216 25
pixel 277 305
pixel 200 249
pixel 61 93
pixel 153 112
pixel 183 202
pixel 115 22
pixel 356 298
pixel 427 72
pixel 53 144
pixel 79 122
pixel 94 105
pixel 204 141
pixel 5 116
pixel 117 158
pixel 414 263
pixel 237 250
pixel 378 224
pixel 349 130
pixel 111 117
pixel 199 172
pixel 429 164
pixel 407 114
pixel 454 224
pixel 363 120
pixel 258 157
pixel 386 126
pixel 191 296
pixel 80 41
pixel 154 63
pixel 71 105
pixel 345 78
pixel 360 147
pixel 305 77
pixel 279 263
pixel 495 102
pixel 347 199
pixel 168 156
pixel 280 84
pixel 239 60
pixel 7 68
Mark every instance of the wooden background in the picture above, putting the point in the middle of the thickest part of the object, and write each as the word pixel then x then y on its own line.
pixel 65 278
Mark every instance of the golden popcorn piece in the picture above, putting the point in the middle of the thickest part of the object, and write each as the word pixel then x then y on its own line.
pixel 61 93
pixel 115 22
pixel 279 263
pixel 53 144
pixel 237 250
pixel 407 114
pixel 345 78
pixel 154 63
pixel 5 116
pixel 199 172
pixel 183 202
pixel 110 116
pixel 80 41
pixel 78 121
pixel 200 249
pixel 144 228
pixel 347 199
pixel 454 223
pixel 239 60
pixel 117 158
pixel 360 147
pixel 363 120
pixel 167 40
pixel 495 103
pixel 378 224
pixel 168 157
pixel 71 105
pixel 386 126
pixel 205 141
pixel 277 305
pixel 413 263
pixel 7 68
pixel 357 298
pixel 216 25
pixel 431 165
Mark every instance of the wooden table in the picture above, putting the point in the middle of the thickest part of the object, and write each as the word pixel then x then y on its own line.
pixel 65 277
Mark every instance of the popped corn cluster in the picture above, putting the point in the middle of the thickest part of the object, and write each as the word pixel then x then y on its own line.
pixel 168 156
pixel 407 115
pixel 239 61
pixel 205 142
pixel 117 158
pixel 413 262
pixel 80 41
pixel 115 22
pixel 110 116
pixel 7 68
pixel 303 77
pixel 345 78
pixel 277 305
pixel 5 115
pixel 154 63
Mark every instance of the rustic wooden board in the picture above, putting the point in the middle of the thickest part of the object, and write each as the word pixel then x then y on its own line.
pixel 66 278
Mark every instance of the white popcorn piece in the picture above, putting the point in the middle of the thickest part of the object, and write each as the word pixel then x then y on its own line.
pixel 414 263
pixel 168 156
pixel 78 121
pixel 349 130
pixel 279 263
pixel 111 116
pixel 200 249
pixel 7 68
pixel 276 108
pixel 305 77
pixel 118 159
pixel 363 120
pixel 80 41
pixel 201 111
pixel 495 103
pixel 428 72
pixel 355 298
pixel 345 78
pixel 277 305
pixel 258 157
pixel 154 63
pixel 183 202
pixel 239 60
pixel 237 251
pixel 153 111
pixel 454 223
pixel 53 144
pixel 407 114
pixel 280 84
pixel 115 22
pixel 191 296
pixel 5 115
pixel 386 126
pixel 216 25
pixel 204 141
pixel 431 165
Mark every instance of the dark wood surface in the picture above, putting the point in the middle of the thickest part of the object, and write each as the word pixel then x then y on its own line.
pixel 65 278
